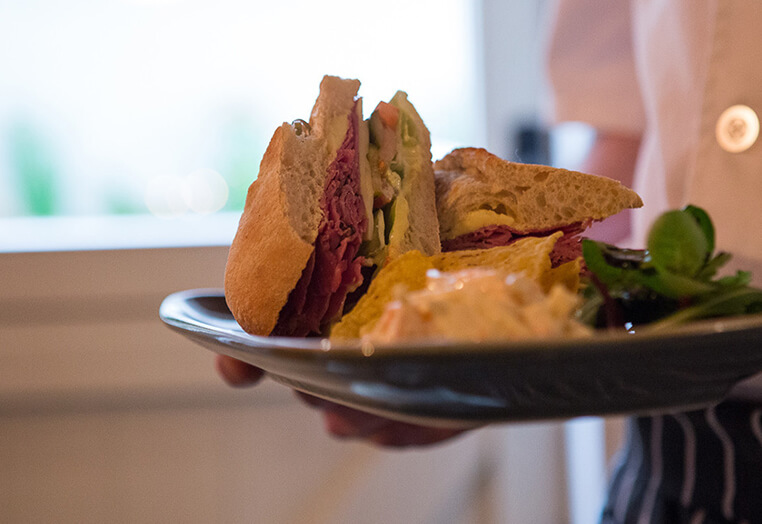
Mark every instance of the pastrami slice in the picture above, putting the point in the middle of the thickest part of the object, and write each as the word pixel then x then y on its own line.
pixel 567 248
pixel 334 267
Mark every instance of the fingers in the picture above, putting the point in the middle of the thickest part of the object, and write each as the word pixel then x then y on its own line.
pixel 342 421
pixel 237 373
pixel 401 434
pixel 347 423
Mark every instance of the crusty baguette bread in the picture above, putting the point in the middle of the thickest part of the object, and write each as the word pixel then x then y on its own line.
pixel 527 197
pixel 276 232
pixel 282 213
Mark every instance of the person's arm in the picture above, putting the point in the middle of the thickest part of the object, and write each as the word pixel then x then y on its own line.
pixel 593 78
pixel 613 155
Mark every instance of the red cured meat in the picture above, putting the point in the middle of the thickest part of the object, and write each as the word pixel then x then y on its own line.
pixel 567 248
pixel 334 267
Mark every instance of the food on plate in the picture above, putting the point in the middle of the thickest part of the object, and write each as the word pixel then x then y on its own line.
pixel 529 257
pixel 485 201
pixel 350 231
pixel 340 199
pixel 477 305
pixel 486 204
pixel 335 198
pixel 675 279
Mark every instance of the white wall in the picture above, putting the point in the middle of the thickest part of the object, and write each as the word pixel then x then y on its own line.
pixel 107 415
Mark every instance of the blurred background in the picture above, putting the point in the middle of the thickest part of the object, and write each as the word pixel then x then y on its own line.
pixel 164 108
pixel 130 131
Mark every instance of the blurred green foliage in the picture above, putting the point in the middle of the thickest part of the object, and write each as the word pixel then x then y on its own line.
pixel 33 169
pixel 38 178
pixel 122 201
pixel 244 145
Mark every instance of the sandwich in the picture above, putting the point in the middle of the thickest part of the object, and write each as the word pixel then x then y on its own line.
pixel 336 198
pixel 511 217
pixel 484 201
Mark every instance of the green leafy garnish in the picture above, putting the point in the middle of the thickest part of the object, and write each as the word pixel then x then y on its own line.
pixel 677 245
pixel 672 281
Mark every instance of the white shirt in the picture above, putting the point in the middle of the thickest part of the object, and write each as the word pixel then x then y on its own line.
pixel 668 69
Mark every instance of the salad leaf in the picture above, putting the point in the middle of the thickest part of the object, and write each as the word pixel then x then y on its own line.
pixel 677 244
pixel 628 269
pixel 672 281
pixel 704 222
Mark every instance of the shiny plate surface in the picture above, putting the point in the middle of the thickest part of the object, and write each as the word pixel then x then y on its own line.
pixel 461 385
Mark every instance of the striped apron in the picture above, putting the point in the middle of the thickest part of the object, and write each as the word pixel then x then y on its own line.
pixel 700 467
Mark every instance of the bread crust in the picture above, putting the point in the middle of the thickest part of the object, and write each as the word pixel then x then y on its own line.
pixel 282 214
pixel 267 255
pixel 535 197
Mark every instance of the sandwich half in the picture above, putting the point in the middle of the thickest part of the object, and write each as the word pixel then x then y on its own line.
pixel 327 208
pixel 484 201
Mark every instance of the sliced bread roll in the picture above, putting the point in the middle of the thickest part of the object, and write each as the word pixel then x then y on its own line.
pixel 279 225
pixel 476 189
pixel 313 230
pixel 277 230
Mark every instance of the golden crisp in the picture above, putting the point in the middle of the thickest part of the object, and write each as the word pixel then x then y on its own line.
pixel 529 256
pixel 405 273
pixel 566 274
